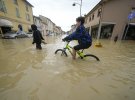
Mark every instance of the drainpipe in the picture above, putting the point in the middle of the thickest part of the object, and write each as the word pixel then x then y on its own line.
pixel 81 9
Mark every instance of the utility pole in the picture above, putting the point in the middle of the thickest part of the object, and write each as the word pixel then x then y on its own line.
pixel 81 9
pixel 80 4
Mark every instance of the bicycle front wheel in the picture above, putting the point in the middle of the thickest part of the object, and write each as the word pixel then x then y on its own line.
pixel 93 56
pixel 63 52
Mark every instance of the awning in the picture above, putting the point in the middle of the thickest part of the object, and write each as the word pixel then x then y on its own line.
pixel 5 23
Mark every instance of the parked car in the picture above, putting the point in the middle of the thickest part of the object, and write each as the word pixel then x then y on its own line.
pixel 14 35
pixel 30 34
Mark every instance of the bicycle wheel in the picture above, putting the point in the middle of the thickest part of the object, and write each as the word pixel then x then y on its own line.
pixel 93 56
pixel 63 52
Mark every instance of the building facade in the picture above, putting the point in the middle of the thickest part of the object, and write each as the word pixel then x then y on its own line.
pixel 73 28
pixel 109 18
pixel 59 30
pixel 42 26
pixel 14 13
pixel 50 24
pixel 51 27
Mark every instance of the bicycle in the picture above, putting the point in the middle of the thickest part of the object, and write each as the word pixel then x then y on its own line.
pixel 80 53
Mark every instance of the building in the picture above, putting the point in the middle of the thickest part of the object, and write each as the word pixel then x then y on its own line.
pixel 73 28
pixel 37 21
pixel 40 24
pixel 51 27
pixel 44 28
pixel 50 24
pixel 59 30
pixel 63 32
pixel 14 13
pixel 109 18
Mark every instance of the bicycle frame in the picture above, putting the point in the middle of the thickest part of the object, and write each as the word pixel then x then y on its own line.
pixel 68 47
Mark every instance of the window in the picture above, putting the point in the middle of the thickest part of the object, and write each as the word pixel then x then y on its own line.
pixel 89 18
pixel 99 12
pixel 93 17
pixel 15 2
pixel 27 17
pixel 133 9
pixel 2 6
pixel 17 13
pixel 27 7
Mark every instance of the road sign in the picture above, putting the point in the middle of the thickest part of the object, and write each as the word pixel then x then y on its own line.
pixel 131 15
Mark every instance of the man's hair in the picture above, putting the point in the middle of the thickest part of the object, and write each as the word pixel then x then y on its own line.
pixel 81 19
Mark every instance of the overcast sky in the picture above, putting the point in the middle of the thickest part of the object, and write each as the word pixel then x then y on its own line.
pixel 61 12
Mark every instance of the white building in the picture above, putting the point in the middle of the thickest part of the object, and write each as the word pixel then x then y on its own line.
pixel 50 24
pixel 59 30
pixel 40 25
pixel 44 28
pixel 37 22
pixel 73 28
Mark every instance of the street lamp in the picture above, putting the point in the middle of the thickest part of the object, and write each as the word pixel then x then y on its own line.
pixel 80 4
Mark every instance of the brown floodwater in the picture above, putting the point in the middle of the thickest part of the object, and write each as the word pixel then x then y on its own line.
pixel 30 74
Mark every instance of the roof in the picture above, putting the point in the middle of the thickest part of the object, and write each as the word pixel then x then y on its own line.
pixel 28 3
pixel 36 17
pixel 43 17
pixel 58 26
pixel 97 6
pixel 44 22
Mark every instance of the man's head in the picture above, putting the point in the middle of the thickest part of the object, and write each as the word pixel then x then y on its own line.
pixel 33 27
pixel 80 21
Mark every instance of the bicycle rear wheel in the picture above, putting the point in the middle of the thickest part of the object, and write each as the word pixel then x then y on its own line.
pixel 93 56
pixel 63 52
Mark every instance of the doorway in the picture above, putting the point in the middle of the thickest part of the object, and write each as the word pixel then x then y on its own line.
pixel 129 33
pixel 106 31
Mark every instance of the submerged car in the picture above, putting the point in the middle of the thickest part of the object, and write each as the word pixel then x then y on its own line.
pixel 14 35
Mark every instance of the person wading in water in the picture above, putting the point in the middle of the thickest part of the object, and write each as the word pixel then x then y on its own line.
pixel 37 37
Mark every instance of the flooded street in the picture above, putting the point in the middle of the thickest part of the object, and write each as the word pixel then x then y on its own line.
pixel 30 74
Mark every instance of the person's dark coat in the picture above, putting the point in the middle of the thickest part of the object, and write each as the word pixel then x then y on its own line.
pixel 37 36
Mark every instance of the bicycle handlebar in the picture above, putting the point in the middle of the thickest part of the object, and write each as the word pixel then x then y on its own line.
pixel 65 41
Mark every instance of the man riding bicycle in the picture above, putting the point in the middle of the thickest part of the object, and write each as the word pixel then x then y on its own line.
pixel 83 37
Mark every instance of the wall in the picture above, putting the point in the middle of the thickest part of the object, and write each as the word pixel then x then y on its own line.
pixel 117 11
pixel 44 28
pixel 92 22
pixel 11 14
